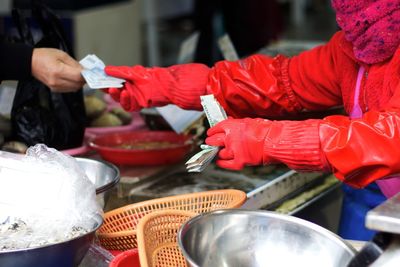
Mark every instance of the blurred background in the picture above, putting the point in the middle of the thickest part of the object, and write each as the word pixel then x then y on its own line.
pixel 151 32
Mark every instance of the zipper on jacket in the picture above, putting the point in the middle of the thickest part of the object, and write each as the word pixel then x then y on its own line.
pixel 356 111
pixel 365 90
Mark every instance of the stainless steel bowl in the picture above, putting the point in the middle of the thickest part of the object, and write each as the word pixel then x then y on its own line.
pixel 63 254
pixel 103 174
pixel 244 238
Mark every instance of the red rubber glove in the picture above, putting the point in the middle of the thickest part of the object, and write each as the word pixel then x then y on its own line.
pixel 242 142
pixel 181 85
pixel 258 141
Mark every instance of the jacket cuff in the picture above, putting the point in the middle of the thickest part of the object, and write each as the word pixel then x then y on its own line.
pixel 15 61
pixel 296 144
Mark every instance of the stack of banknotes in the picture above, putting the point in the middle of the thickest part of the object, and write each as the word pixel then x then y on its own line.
pixel 215 113
pixel 94 74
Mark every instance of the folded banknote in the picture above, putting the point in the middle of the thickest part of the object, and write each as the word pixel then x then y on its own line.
pixel 94 74
pixel 215 113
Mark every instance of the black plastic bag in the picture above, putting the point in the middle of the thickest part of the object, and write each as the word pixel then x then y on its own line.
pixel 39 115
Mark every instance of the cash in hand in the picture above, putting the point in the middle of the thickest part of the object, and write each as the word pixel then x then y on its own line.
pixel 215 113
pixel 94 74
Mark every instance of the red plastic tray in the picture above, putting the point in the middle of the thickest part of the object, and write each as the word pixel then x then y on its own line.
pixel 107 145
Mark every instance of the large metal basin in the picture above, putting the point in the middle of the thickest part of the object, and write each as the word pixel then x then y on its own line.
pixel 63 254
pixel 245 238
pixel 69 253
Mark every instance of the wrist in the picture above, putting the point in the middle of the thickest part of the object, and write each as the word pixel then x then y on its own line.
pixel 34 61
pixel 296 144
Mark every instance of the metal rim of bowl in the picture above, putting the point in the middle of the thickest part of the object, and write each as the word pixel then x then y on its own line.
pixel 270 214
pixel 110 185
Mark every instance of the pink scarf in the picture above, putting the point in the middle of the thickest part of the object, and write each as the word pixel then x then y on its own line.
pixel 372 26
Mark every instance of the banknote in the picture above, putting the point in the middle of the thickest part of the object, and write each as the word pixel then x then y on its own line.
pixel 214 113
pixel 94 75
pixel 202 160
pixel 213 110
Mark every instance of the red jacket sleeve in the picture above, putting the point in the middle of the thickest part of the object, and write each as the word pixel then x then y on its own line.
pixel 363 150
pixel 358 151
pixel 261 86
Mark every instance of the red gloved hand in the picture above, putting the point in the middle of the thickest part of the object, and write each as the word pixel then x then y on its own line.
pixel 257 141
pixel 181 85
pixel 242 142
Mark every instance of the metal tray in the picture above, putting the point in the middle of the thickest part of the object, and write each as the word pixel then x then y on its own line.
pixel 265 186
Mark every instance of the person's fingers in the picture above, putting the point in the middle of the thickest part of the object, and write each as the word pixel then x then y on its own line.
pixel 68 60
pixel 133 74
pixel 56 69
pixel 70 69
pixel 123 72
pixel 73 86
pixel 125 101
pixel 115 93
pixel 217 139
pixel 138 73
pixel 70 73
pixel 225 154
pixel 229 164
pixel 214 130
pixel 116 71
pixel 64 86
pixel 218 128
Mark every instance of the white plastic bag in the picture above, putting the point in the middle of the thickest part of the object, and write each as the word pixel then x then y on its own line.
pixel 46 195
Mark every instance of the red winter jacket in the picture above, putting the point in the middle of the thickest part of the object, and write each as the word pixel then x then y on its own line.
pixel 358 151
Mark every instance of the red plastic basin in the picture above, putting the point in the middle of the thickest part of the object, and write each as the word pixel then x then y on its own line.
pixel 119 148
pixel 129 258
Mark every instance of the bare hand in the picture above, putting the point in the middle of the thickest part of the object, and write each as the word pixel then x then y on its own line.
pixel 56 69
